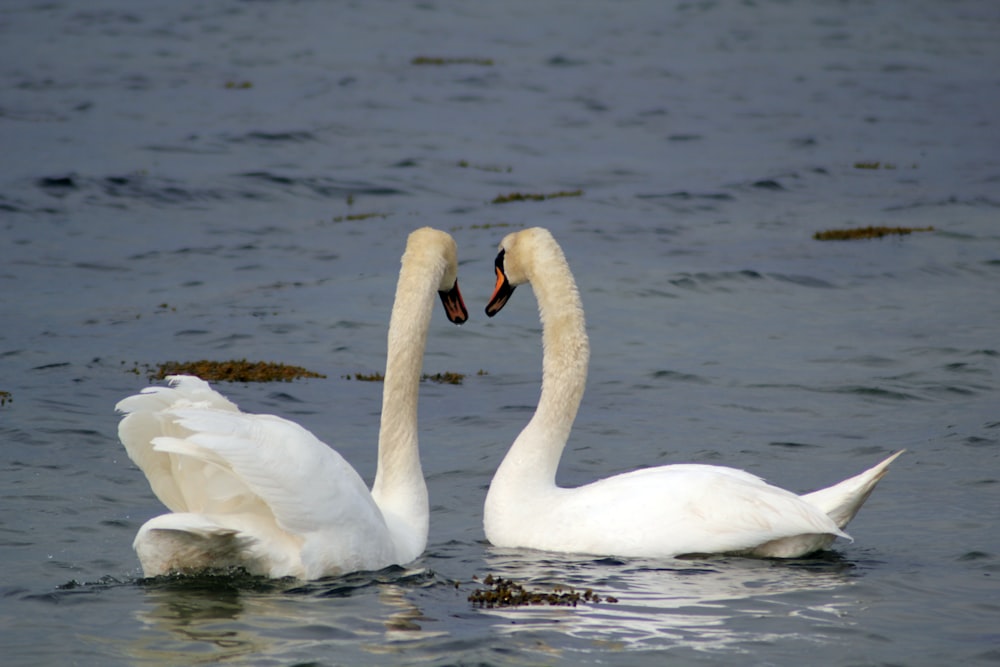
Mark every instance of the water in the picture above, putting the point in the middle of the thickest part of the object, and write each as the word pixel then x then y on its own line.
pixel 176 184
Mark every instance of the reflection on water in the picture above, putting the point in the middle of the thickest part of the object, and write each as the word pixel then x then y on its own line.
pixel 727 605
pixel 195 617
pixel 220 618
pixel 702 604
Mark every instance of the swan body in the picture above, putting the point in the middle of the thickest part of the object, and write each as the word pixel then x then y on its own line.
pixel 665 511
pixel 263 493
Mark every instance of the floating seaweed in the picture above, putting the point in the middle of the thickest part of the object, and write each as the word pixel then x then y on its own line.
pixel 431 60
pixel 870 232
pixel 238 85
pixel 5 398
pixel 506 593
pixel 366 377
pixel 359 216
pixel 448 377
pixel 520 196
pixel 487 225
pixel 491 225
pixel 231 371
pixel 874 165
pixel 465 164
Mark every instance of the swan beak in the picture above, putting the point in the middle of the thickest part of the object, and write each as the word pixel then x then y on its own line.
pixel 454 306
pixel 501 292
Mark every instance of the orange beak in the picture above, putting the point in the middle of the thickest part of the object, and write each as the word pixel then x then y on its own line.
pixel 502 290
pixel 454 305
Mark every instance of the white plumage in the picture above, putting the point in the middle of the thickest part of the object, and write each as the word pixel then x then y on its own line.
pixel 263 493
pixel 665 511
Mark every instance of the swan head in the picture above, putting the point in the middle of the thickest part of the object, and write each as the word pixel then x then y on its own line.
pixel 519 252
pixel 441 247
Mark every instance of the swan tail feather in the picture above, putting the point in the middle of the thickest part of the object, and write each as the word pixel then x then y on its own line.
pixel 842 501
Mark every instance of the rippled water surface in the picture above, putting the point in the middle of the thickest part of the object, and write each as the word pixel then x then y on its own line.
pixel 236 180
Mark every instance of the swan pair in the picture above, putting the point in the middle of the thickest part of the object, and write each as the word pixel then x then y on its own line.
pixel 262 493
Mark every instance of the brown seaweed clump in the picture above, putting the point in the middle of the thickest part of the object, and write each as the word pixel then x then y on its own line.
pixel 873 164
pixel 367 377
pixel 521 196
pixel 506 593
pixel 234 371
pixel 434 60
pixel 5 398
pixel 870 232
pixel 448 377
pixel 353 217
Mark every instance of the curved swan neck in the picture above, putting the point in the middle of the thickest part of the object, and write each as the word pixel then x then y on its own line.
pixel 565 354
pixel 399 488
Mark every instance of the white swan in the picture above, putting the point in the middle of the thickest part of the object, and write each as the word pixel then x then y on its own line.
pixel 666 511
pixel 263 493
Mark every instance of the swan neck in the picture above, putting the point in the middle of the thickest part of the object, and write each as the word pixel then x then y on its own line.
pixel 399 488
pixel 565 356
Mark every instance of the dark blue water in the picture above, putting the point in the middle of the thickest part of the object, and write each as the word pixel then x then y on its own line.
pixel 236 180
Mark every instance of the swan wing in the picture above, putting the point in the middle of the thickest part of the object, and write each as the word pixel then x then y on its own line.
pixel 147 418
pixel 202 455
pixel 307 485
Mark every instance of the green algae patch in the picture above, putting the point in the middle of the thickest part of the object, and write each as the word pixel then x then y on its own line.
pixel 521 196
pixel 870 232
pixel 239 370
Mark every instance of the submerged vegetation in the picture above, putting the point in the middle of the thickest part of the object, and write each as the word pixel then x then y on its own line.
pixel 870 232
pixel 487 225
pixel 874 165
pixel 230 371
pixel 506 593
pixel 359 216
pixel 465 164
pixel 448 377
pixel 433 60
pixel 520 196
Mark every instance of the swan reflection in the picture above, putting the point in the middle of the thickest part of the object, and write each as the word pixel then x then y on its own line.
pixel 190 620
pixel 703 604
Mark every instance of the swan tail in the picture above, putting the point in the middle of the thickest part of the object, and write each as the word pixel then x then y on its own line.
pixel 842 501
pixel 191 543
